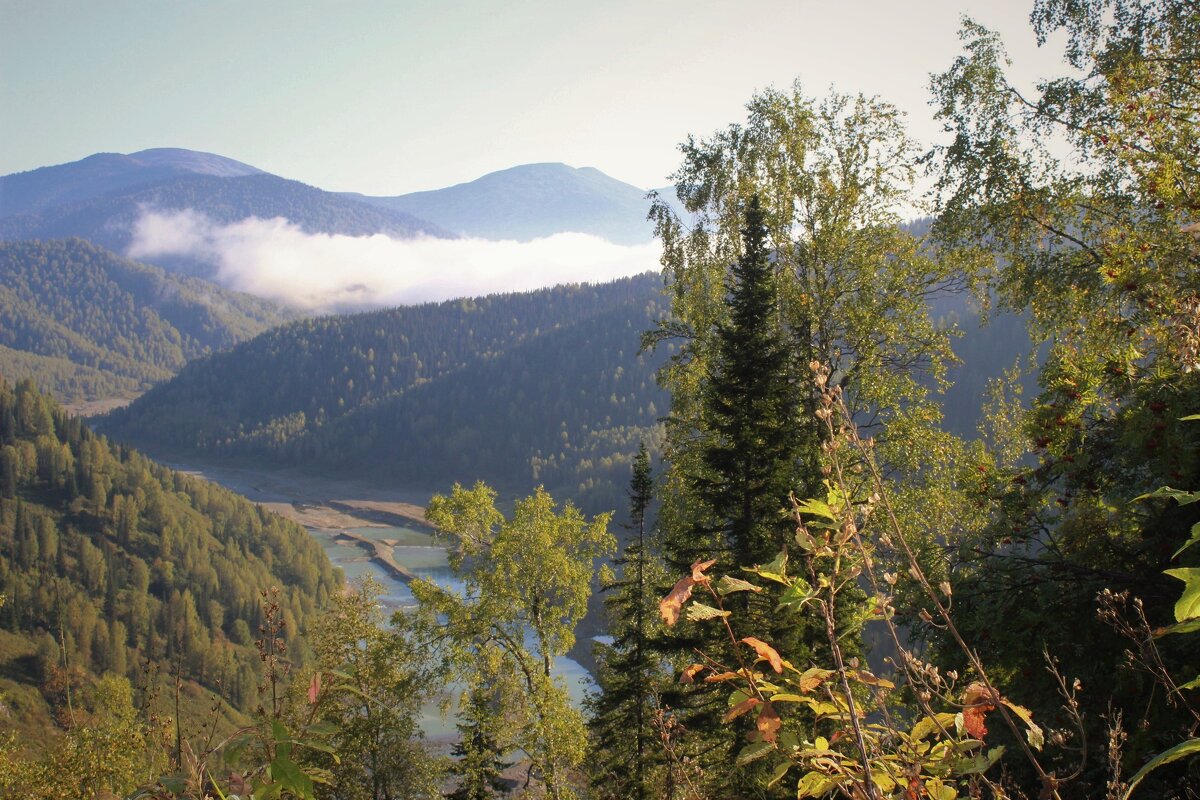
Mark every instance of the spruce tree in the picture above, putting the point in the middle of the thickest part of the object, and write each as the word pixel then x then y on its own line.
pixel 625 670
pixel 754 438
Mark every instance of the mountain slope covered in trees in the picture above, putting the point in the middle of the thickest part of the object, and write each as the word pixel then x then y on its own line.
pixel 111 563
pixel 542 387
pixel 88 324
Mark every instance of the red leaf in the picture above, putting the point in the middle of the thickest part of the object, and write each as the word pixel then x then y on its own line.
pixel 314 689
pixel 765 650
pixel 978 701
pixel 689 674
pixel 768 723
pixel 670 605
pixel 740 708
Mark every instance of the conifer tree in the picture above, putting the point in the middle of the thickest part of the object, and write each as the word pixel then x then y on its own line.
pixel 626 669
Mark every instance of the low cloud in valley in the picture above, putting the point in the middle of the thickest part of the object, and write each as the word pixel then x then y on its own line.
pixel 274 258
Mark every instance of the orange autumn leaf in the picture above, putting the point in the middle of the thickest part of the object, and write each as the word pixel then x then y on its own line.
pixel 670 606
pixel 314 689
pixel 698 568
pixel 722 676
pixel 765 650
pixel 740 708
pixel 768 723
pixel 978 701
pixel 973 721
pixel 689 674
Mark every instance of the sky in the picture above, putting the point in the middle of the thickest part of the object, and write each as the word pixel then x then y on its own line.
pixel 391 96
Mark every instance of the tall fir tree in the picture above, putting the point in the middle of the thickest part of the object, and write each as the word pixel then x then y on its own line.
pixel 626 670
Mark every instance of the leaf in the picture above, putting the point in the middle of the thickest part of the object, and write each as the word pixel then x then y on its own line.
pixel 1166 757
pixel 1183 498
pixel 978 764
pixel 698 612
pixel 698 568
pixel 884 781
pixel 816 508
pixel 1187 626
pixel 765 651
pixel 977 699
pixel 1194 683
pixel 928 725
pixel 940 791
pixel 1190 418
pixel 796 595
pixel 1195 538
pixel 813 677
pixel 781 769
pixel 689 674
pixel 741 708
pixel 721 676
pixel 728 585
pixel 754 752
pixel 290 777
pixel 870 679
pixel 670 605
pixel 323 728
pixel 814 784
pixel 1033 732
pixel 314 689
pixel 768 723
pixel 776 570
pixel 1188 605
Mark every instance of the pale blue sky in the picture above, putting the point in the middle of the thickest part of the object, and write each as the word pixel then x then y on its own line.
pixel 391 97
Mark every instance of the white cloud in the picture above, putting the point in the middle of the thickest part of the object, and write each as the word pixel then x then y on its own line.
pixel 275 259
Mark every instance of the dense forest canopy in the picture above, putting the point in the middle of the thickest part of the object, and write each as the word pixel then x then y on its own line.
pixel 88 324
pixel 825 592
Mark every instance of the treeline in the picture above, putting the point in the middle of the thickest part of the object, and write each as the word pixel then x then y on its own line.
pixel 541 387
pixel 110 562
pixel 124 325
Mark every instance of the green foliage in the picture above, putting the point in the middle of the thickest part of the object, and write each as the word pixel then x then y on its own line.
pixel 116 562
pixel 624 760
pixel 527 581
pixel 372 681
pixel 1079 199
pixel 87 324
pixel 521 389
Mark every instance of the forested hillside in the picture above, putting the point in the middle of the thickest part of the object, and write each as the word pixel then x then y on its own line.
pixel 543 387
pixel 110 563
pixel 86 324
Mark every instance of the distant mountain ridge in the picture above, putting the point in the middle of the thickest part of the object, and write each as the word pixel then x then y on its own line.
pixel 104 173
pixel 533 201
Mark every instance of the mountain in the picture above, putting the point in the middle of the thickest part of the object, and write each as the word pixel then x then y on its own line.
pixel 87 324
pixel 102 197
pixel 113 564
pixel 517 389
pixel 532 201
pixel 106 173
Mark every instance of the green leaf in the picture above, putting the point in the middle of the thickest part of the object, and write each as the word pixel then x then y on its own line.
pixel 753 752
pixel 940 791
pixel 1188 605
pixel 1190 418
pixel 928 725
pixel 1194 683
pixel 781 769
pixel 1184 498
pixel 728 585
pixel 814 784
pixel 698 611
pixel 817 508
pixel 1187 626
pixel 795 596
pixel 978 764
pixel 1166 757
pixel 1195 538
pixel 323 728
pixel 776 570
pixel 291 777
